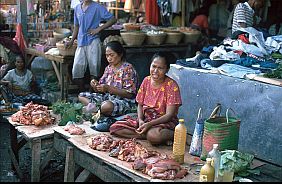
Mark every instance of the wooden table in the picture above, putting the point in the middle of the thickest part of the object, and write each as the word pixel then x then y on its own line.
pixel 39 139
pixel 60 65
pixel 107 168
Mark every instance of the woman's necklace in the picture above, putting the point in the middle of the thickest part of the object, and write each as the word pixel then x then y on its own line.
pixel 20 73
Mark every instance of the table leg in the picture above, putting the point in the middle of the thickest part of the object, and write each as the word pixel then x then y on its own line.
pixel 35 160
pixel 14 143
pixel 69 165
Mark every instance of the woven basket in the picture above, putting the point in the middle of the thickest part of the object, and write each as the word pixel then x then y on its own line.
pixel 66 51
pixel 174 37
pixel 191 37
pixel 133 38
pixel 223 131
pixel 131 27
pixel 155 39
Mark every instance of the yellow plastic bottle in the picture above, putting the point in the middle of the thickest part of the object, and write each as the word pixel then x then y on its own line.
pixel 207 172
pixel 179 142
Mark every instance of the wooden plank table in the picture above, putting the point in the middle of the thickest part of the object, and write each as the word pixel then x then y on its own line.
pixel 60 65
pixel 39 138
pixel 103 166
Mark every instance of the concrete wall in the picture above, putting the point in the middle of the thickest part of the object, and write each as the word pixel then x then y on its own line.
pixel 258 105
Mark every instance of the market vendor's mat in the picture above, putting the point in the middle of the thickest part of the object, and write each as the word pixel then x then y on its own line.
pixel 80 142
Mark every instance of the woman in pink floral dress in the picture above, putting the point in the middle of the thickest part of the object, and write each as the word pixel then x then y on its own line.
pixel 115 92
pixel 158 103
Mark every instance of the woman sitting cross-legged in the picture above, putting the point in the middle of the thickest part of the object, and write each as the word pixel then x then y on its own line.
pixel 19 85
pixel 158 103
pixel 116 90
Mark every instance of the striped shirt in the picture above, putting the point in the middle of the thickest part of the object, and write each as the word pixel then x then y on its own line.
pixel 243 14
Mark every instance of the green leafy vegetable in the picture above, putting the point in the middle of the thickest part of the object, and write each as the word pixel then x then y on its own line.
pixel 237 161
pixel 68 111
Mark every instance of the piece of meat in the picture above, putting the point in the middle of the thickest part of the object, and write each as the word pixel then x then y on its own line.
pixel 101 142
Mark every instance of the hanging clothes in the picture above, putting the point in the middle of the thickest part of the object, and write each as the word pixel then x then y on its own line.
pixel 19 38
pixel 128 6
pixel 175 6
pixel 166 13
pixel 152 12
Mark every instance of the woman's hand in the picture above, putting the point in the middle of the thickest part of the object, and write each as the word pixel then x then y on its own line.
pixel 94 83
pixel 143 128
pixel 102 88
pixel 141 122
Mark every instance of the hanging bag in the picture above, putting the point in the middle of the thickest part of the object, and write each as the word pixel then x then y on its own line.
pixel 220 130
pixel 196 142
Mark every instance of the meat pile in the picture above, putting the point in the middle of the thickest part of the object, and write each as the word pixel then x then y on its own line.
pixel 101 142
pixel 152 163
pixel 160 167
pixel 74 129
pixel 33 114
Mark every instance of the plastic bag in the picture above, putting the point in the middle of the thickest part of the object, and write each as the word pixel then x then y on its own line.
pixel 196 142
pixel 103 124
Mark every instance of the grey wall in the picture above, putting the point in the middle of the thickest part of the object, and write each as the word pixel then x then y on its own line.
pixel 258 105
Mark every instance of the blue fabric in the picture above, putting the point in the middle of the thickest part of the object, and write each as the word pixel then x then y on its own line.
pixel 249 61
pixel 103 124
pixel 90 19
pixel 208 49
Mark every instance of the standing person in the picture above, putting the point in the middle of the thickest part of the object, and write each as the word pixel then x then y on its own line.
pixel 87 18
pixel 244 14
pixel 116 90
pixel 158 103
pixel 230 18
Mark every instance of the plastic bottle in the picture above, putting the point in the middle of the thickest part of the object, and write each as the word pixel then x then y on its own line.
pixel 179 142
pixel 215 155
pixel 207 172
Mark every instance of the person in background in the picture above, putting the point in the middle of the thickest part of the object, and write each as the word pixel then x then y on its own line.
pixel 158 103
pixel 276 28
pixel 218 16
pixel 87 18
pixel 3 68
pixel 230 18
pixel 244 14
pixel 116 90
pixel 200 22
pixel 19 85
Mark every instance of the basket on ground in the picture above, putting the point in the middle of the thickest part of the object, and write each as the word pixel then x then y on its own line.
pixel 173 37
pixel 155 39
pixel 134 38
pixel 223 131
pixel 66 51
pixel 131 27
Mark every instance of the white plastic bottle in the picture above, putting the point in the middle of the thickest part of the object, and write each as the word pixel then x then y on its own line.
pixel 215 155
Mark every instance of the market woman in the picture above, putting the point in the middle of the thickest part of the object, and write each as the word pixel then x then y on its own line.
pixel 158 103
pixel 18 85
pixel 116 90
